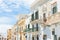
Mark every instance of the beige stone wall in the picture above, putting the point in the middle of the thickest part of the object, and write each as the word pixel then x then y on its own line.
pixel 55 18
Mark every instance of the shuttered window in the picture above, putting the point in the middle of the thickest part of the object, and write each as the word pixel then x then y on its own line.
pixel 36 15
pixel 32 17
pixel 54 9
pixel 36 27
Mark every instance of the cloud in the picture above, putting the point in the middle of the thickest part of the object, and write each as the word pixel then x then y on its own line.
pixel 6 23
pixel 10 5
pixel 8 20
pixel 5 20
pixel 4 27
pixel 1 1
pixel 14 5
pixel 8 10
pixel 3 6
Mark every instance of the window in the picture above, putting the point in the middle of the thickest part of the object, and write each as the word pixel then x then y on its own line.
pixel 59 38
pixel 37 37
pixel 55 37
pixel 36 27
pixel 36 15
pixel 32 38
pixel 54 9
pixel 53 32
pixel 32 18
pixel 28 26
pixel 33 28
pixel 25 36
pixel 44 37
pixel 44 17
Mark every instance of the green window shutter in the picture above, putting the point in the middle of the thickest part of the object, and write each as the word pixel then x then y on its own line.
pixel 55 37
pixel 53 32
pixel 36 15
pixel 28 26
pixel 54 9
pixel 32 17
pixel 32 28
pixel 36 27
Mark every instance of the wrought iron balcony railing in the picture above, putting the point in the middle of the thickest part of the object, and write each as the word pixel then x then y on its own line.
pixel 30 30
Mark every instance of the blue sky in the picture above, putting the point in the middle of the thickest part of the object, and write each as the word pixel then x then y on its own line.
pixel 9 9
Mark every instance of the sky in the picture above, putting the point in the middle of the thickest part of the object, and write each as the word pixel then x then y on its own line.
pixel 9 9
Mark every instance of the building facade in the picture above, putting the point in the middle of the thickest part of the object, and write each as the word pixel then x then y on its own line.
pixel 39 25
pixel 9 32
pixel 18 29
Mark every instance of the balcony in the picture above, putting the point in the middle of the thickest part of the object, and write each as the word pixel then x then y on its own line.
pixel 27 30
pixel 30 30
pixel 55 18
pixel 37 21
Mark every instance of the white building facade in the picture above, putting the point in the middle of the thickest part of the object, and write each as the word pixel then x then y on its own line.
pixel 38 27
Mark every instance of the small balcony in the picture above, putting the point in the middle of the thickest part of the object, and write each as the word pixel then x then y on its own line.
pixel 40 21
pixel 30 30
pixel 27 30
